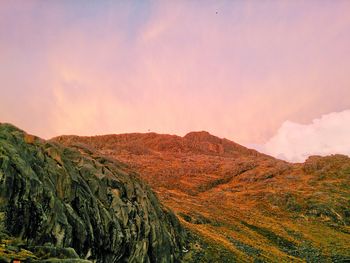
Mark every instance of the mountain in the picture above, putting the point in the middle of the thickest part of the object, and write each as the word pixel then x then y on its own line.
pixel 60 204
pixel 240 205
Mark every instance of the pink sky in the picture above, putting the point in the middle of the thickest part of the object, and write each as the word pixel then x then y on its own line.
pixel 238 69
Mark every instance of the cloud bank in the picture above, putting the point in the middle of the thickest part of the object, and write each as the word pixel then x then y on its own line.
pixel 329 134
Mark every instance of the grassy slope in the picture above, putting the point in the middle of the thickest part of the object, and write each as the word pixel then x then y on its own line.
pixel 241 205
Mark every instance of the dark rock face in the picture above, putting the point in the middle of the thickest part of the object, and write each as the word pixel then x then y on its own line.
pixel 61 197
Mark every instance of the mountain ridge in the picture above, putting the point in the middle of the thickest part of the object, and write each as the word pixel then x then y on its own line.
pixel 235 204
pixel 167 142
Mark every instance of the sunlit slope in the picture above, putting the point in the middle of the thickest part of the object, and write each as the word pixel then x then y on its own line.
pixel 246 205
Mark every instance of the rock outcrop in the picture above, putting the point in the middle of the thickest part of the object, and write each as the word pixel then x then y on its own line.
pixel 62 202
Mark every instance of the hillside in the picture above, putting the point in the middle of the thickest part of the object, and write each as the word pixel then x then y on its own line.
pixel 240 205
pixel 60 204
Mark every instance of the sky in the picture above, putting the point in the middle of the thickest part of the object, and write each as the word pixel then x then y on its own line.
pixel 266 74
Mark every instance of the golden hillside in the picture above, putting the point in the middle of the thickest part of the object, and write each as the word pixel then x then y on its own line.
pixel 238 204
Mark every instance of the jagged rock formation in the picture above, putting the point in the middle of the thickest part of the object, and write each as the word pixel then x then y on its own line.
pixel 70 203
pixel 240 205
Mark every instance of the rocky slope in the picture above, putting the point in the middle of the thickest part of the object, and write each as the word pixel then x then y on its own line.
pixel 60 204
pixel 240 205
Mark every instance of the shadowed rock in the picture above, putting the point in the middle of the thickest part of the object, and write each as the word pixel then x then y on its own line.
pixel 55 197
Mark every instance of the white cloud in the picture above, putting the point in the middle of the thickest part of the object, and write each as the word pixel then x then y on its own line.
pixel 329 134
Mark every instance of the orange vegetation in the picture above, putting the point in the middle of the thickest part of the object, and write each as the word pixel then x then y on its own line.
pixel 254 205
